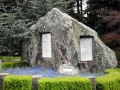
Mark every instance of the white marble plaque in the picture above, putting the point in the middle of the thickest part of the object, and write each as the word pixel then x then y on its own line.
pixel 67 70
pixel 46 45
pixel 86 49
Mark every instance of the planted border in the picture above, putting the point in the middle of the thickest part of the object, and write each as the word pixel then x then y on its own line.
pixel 13 82
pixel 65 83
pixel 111 81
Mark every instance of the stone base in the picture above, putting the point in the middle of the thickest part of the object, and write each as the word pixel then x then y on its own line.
pixel 35 79
pixel 92 79
pixel 68 69
pixel 2 75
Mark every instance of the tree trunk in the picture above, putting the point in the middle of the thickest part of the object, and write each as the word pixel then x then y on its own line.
pixel 78 5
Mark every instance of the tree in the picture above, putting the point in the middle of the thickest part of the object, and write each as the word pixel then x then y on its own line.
pixel 78 10
pixel 97 9
pixel 16 17
pixel 104 17
pixel 94 7
pixel 112 38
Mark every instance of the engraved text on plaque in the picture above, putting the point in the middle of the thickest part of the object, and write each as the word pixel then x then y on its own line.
pixel 86 49
pixel 46 45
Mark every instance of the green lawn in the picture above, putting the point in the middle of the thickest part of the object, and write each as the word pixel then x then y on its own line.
pixel 10 58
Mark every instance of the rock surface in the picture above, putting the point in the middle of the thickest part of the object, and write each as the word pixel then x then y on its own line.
pixel 65 37
pixel 68 69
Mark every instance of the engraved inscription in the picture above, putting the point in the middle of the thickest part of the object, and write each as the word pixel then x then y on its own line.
pixel 86 49
pixel 46 45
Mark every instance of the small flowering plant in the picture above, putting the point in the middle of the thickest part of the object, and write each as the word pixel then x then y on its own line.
pixel 45 72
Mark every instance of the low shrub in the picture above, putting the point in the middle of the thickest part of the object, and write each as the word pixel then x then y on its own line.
pixel 6 65
pixel 111 81
pixel 64 83
pixel 7 58
pixel 1 58
pixel 111 71
pixel 12 82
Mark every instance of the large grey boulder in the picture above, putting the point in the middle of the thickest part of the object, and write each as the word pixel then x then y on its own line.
pixel 65 44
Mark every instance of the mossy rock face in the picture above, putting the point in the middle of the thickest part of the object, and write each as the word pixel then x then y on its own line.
pixel 65 39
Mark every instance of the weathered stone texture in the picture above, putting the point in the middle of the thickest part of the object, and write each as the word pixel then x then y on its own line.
pixel 30 50
pixel 65 35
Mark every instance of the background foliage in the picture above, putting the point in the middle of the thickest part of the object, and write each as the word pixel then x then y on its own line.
pixel 104 17
pixel 16 16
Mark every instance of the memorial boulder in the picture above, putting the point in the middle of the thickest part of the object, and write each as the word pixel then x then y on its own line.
pixel 63 43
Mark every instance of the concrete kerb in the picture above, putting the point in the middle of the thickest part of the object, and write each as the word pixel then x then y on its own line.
pixel 92 79
pixel 35 79
pixel 2 75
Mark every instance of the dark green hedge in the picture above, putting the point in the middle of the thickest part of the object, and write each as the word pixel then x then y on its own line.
pixel 64 83
pixel 6 65
pixel 111 81
pixel 12 82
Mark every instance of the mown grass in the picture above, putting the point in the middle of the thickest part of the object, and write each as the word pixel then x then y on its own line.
pixel 10 58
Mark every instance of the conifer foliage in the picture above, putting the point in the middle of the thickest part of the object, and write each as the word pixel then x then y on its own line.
pixel 16 16
pixel 104 17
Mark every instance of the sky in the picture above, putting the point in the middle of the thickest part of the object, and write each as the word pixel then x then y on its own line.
pixel 84 6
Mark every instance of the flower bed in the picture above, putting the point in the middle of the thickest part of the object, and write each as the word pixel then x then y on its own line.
pixel 111 81
pixel 45 72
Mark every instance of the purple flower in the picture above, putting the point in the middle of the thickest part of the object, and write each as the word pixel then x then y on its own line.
pixel 45 72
